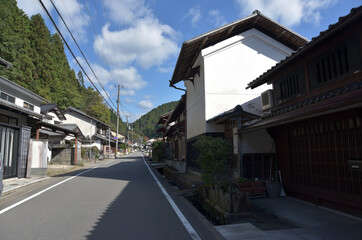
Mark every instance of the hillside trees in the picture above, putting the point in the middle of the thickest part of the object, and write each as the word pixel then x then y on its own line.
pixel 39 63
pixel 15 45
pixel 147 124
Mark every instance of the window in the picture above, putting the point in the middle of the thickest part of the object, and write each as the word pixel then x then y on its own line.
pixel 339 61
pixel 7 97
pixel 289 86
pixel 8 120
pixel 28 106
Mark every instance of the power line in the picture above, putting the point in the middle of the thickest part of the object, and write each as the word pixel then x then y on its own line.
pixel 61 17
pixel 70 50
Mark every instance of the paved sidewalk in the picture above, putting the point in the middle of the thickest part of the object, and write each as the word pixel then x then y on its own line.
pixel 293 219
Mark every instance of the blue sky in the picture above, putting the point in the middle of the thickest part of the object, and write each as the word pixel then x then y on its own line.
pixel 135 43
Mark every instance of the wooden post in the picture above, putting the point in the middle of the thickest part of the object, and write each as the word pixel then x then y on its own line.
pixel 75 150
pixel 37 133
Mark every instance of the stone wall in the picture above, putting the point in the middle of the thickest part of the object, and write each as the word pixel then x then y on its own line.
pixel 64 156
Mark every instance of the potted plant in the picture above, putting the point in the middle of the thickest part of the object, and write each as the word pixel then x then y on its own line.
pixel 244 185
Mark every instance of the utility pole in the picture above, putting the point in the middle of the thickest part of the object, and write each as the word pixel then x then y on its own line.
pixel 127 131
pixel 117 122
pixel 109 142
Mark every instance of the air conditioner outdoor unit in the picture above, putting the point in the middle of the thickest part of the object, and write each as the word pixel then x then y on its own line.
pixel 267 99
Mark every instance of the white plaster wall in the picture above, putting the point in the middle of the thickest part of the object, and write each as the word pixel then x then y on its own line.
pixel 94 144
pixel 87 126
pixel 231 64
pixel 258 141
pixel 195 104
pixel 39 153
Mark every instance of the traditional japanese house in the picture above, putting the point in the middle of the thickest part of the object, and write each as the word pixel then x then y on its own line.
pixel 19 111
pixel 176 137
pixel 315 117
pixel 232 120
pixel 216 66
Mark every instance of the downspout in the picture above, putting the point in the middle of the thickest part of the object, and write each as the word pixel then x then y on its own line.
pixel 171 85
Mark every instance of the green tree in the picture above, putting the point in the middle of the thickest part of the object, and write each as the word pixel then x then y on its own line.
pixel 15 45
pixel 214 159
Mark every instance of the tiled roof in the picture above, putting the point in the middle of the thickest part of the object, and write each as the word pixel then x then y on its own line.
pixel 73 109
pixel 354 14
pixel 45 108
pixel 319 98
pixel 190 49
pixel 22 89
pixel 18 108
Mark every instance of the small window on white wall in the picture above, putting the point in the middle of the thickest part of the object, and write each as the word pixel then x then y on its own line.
pixel 235 140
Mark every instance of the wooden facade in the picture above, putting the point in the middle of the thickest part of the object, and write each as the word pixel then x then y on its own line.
pixel 316 122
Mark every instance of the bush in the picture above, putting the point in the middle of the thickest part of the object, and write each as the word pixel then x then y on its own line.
pixel 213 159
pixel 158 151
pixel 95 151
pixel 83 153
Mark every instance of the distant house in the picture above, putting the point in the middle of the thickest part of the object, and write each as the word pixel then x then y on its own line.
pixel 314 115
pixel 65 140
pixel 216 67
pixel 174 134
pixel 232 120
pixel 19 112
pixel 94 131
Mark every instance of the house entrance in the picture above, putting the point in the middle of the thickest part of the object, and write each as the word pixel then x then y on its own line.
pixel 9 139
pixel 320 151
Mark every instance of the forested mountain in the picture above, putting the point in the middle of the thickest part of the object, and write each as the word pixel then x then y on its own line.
pixel 147 124
pixel 39 64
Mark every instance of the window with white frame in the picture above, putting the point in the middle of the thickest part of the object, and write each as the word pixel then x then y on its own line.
pixel 7 97
pixel 28 106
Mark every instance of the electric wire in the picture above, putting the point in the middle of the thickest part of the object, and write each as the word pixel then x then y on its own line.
pixel 61 17
pixel 70 50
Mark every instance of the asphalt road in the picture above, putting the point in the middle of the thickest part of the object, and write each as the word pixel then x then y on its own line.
pixel 118 200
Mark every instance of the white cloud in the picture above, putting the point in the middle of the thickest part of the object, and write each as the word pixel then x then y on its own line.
pixel 31 8
pixel 195 15
pixel 145 104
pixel 129 78
pixel 287 12
pixel 148 43
pixel 126 11
pixel 143 39
pixel 129 100
pixel 216 18
pixel 127 92
pixel 71 11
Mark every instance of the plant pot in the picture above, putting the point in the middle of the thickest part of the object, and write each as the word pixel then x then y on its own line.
pixel 256 184
pixel 244 184
pixel 273 189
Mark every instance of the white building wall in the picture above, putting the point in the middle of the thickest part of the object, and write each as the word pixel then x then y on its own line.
pixel 231 64
pixel 97 144
pixel 86 125
pixel 20 96
pixel 258 141
pixel 195 103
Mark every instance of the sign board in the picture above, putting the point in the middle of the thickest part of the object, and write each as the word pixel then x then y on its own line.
pixel 355 165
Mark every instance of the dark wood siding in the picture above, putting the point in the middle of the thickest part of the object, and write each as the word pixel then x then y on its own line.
pixel 314 155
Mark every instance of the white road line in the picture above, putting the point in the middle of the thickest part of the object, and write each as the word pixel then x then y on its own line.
pixel 183 219
pixel 43 191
